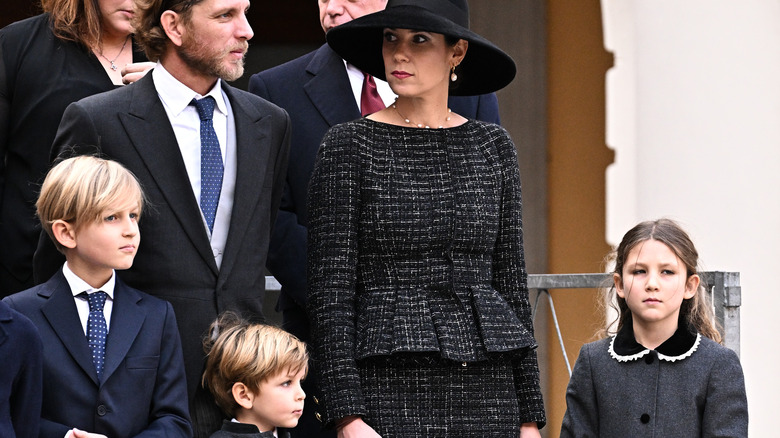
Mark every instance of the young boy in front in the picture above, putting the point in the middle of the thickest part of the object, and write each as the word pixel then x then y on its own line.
pixel 112 355
pixel 254 372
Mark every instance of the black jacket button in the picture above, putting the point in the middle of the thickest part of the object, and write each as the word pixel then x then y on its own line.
pixel 101 410
pixel 644 418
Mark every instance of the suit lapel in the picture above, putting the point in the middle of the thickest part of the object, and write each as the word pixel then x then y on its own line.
pixel 60 311
pixel 252 155
pixel 329 88
pixel 126 322
pixel 156 144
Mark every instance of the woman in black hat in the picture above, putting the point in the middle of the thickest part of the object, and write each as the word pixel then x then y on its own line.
pixel 417 282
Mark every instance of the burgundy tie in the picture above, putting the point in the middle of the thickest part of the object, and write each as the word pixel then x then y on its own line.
pixel 370 102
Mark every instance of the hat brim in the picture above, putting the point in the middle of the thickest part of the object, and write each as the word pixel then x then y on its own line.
pixel 484 69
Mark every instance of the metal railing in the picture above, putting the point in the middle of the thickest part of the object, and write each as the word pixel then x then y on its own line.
pixel 723 288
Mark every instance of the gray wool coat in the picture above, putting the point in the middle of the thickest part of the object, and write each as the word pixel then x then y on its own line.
pixel 690 386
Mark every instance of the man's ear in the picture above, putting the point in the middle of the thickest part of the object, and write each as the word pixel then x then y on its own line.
pixel 173 26
pixel 64 233
pixel 618 285
pixel 243 396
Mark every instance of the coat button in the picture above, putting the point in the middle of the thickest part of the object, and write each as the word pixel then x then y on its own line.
pixel 649 358
pixel 644 418
pixel 316 400
pixel 101 410
pixel 318 416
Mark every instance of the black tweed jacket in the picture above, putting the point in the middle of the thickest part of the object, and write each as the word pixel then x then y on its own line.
pixel 416 245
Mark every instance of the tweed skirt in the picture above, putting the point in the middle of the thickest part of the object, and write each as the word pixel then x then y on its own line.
pixel 421 396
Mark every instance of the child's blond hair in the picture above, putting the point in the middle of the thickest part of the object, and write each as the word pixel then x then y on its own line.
pixel 239 351
pixel 79 190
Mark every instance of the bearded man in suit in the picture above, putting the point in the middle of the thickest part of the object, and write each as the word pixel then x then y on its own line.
pixel 206 236
pixel 320 90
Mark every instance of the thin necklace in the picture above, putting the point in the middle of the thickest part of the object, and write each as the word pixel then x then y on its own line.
pixel 113 66
pixel 420 125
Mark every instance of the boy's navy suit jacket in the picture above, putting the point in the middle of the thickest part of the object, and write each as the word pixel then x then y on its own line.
pixel 143 390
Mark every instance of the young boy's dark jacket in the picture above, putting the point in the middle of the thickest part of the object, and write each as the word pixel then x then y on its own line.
pixel 243 430
pixel 143 387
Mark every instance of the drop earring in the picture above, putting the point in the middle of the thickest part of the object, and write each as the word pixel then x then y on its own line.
pixel 453 76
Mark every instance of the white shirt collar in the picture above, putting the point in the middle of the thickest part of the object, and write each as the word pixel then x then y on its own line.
pixel 177 96
pixel 77 285
pixel 356 81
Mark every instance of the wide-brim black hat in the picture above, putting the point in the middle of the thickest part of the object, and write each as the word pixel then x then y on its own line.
pixel 484 69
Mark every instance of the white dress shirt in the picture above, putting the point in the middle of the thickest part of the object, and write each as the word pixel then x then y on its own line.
pixel 77 286
pixel 356 81
pixel 184 119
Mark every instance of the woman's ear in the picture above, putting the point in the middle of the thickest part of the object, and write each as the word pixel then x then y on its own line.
pixel 691 286
pixel 242 395
pixel 618 285
pixel 459 52
pixel 64 233
pixel 173 26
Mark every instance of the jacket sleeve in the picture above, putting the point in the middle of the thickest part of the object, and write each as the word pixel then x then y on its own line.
pixel 725 411
pixel 169 412
pixel 510 277
pixel 22 353
pixel 334 206
pixel 581 417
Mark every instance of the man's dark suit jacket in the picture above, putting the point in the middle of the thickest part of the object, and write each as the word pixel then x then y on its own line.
pixel 315 90
pixel 143 387
pixel 21 362
pixel 175 260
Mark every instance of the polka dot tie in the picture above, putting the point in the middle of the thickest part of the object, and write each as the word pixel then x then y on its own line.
pixel 211 167
pixel 97 328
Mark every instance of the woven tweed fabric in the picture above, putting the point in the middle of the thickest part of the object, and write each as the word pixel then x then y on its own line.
pixel 415 246
pixel 439 399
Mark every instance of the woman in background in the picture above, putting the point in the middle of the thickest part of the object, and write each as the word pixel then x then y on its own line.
pixel 75 49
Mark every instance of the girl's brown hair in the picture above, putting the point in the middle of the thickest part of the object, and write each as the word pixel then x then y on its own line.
pixel 696 311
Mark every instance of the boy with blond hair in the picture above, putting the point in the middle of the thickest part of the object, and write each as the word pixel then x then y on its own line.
pixel 112 355
pixel 254 372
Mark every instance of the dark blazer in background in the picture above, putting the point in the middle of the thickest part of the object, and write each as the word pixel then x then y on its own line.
pixel 315 90
pixel 40 75
pixel 175 260
pixel 21 362
pixel 143 387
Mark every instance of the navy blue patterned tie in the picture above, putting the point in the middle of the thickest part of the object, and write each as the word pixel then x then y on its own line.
pixel 97 328
pixel 211 167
